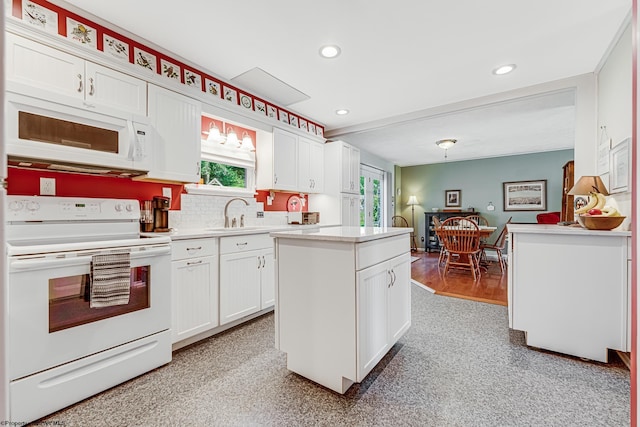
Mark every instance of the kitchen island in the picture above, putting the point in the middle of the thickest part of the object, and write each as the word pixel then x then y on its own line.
pixel 569 288
pixel 343 299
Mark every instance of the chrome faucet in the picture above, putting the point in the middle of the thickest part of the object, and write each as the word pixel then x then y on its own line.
pixel 226 215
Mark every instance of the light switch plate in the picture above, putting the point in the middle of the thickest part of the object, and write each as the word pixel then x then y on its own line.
pixel 166 192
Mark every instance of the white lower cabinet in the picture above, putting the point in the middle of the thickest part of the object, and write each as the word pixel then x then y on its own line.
pixel 246 276
pixel 384 312
pixel 194 271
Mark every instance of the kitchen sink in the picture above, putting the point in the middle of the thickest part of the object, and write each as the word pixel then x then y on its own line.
pixel 236 229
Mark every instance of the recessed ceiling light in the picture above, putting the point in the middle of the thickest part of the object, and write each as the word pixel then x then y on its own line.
pixel 329 51
pixel 504 69
pixel 342 112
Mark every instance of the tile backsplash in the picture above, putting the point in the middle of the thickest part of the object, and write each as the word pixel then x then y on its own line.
pixel 205 211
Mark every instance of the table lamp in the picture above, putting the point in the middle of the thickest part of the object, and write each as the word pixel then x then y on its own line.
pixel 413 201
pixel 588 184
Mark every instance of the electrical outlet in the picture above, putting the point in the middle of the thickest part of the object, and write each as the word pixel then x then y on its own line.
pixel 47 186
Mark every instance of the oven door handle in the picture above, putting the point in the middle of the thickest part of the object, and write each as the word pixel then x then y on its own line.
pixel 22 264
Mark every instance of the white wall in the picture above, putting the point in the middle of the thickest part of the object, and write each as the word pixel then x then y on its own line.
pixel 615 104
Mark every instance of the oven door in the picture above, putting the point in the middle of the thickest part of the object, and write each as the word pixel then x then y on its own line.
pixel 44 130
pixel 51 323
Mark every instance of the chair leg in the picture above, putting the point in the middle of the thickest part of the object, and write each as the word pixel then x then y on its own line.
pixel 500 260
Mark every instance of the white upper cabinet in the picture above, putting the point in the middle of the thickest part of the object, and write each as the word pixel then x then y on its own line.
pixel 175 122
pixel 40 71
pixel 310 166
pixel 276 160
pixel 290 163
pixel 348 158
pixel 111 88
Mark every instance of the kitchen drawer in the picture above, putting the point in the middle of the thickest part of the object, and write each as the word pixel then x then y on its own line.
pixel 377 251
pixel 245 243
pixel 191 248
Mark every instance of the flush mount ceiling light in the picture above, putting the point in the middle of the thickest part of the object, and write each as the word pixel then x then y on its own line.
pixel 342 112
pixel 329 51
pixel 445 144
pixel 504 69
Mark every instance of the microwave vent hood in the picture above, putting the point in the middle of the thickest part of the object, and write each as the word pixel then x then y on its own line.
pixel 39 164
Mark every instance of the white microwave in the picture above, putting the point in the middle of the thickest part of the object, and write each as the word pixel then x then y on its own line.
pixel 42 130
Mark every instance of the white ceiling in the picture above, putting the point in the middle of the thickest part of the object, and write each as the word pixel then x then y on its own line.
pixel 398 57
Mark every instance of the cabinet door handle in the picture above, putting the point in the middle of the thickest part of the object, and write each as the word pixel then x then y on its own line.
pixel 390 279
pixel 194 262
pixel 241 244
pixel 91 88
pixel 275 179
pixel 258 257
pixel 393 273
pixel 263 261
pixel 80 83
pixel 194 249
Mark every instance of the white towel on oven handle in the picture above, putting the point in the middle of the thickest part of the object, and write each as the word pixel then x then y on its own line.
pixel 110 279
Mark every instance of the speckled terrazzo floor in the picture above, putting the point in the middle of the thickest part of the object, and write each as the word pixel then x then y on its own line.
pixel 459 365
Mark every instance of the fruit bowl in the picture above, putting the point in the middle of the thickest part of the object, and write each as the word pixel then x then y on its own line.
pixel 600 222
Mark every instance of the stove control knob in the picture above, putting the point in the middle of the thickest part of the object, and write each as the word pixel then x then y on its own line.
pixel 16 205
pixel 118 207
pixel 33 206
pixel 129 207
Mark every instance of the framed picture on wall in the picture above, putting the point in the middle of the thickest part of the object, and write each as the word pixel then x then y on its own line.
pixel 525 195
pixel 453 198
pixel 619 175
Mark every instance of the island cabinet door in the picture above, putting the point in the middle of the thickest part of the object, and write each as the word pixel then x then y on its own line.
pixel 371 330
pixel 399 298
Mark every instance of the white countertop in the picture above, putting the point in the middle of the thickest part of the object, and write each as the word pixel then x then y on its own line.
pixel 198 233
pixel 563 229
pixel 343 234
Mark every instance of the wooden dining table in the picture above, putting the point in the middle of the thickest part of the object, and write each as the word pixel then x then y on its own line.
pixel 486 231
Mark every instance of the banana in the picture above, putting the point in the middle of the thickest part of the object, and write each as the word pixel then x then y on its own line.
pixel 593 201
pixel 601 201
pixel 610 211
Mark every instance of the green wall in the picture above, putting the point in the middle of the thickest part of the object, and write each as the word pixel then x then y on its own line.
pixel 480 182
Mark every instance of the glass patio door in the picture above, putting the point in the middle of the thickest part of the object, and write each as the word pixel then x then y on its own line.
pixel 372 197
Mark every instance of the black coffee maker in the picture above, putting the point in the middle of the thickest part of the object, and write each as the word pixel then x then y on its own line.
pixel 161 213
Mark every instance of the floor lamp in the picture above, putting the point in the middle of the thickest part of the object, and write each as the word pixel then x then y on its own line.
pixel 413 201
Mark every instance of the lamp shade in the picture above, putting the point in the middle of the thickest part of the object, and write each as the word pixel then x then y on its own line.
pixel 588 184
pixel 412 201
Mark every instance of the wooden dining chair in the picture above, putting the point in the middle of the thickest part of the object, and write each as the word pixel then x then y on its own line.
pixel 479 219
pixel 437 225
pixel 462 238
pixel 400 221
pixel 497 246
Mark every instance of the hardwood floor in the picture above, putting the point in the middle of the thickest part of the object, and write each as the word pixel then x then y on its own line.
pixel 491 288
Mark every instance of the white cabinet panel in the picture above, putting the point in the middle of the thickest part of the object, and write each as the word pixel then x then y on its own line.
pixel 110 88
pixel 588 312
pixel 290 163
pixel 195 300
pixel 267 279
pixel 285 152
pixel 239 285
pixel 175 120
pixel 399 297
pixel 49 73
pixel 40 68
pixel 350 206
pixel 310 166
pixel 372 285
